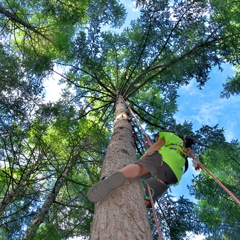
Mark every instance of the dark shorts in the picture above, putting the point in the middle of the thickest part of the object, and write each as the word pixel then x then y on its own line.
pixel 159 170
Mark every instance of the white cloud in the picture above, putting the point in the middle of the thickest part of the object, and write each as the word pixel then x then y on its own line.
pixel 205 107
pixel 187 88
pixel 224 112
pixel 130 5
pixel 52 87
pixel 195 237
pixel 207 113
pixel 53 90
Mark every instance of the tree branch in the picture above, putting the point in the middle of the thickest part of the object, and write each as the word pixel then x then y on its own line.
pixel 173 62
pixel 16 19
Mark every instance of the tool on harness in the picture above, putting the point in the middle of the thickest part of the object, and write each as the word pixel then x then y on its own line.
pixel 143 183
pixel 164 183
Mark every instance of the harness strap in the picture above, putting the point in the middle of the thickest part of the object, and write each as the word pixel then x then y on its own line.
pixel 183 154
pixel 184 151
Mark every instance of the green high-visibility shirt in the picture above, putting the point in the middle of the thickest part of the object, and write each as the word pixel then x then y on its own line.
pixel 170 156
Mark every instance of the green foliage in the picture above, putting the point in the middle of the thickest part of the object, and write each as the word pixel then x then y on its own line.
pixel 226 14
pixel 42 30
pixel 232 86
pixel 166 47
pixel 47 231
pixel 215 208
pixel 18 87
pixel 169 44
pixel 49 147
pixel 177 218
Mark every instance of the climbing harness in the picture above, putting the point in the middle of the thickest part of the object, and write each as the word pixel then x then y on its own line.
pixel 183 152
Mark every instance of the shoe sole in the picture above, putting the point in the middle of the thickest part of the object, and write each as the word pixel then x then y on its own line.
pixel 100 190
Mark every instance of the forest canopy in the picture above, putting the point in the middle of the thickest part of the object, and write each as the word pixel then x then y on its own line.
pixel 52 152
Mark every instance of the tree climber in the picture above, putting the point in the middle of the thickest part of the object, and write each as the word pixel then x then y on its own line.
pixel 163 161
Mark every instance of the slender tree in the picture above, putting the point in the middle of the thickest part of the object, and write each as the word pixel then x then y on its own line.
pixel 39 218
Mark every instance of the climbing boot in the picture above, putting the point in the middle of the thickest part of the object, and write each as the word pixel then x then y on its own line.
pixel 100 190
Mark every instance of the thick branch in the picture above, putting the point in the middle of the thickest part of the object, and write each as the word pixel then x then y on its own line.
pixel 16 19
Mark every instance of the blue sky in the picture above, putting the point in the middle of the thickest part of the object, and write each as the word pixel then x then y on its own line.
pixel 202 107
pixel 205 107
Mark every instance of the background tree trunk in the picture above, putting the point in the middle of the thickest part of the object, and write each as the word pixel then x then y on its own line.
pixel 122 215
pixel 11 195
pixel 32 229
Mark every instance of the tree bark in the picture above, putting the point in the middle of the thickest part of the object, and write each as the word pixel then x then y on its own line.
pixel 32 229
pixel 10 196
pixel 122 215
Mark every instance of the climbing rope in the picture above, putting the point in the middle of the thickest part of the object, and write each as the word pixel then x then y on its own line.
pixel 154 211
pixel 147 139
pixel 198 165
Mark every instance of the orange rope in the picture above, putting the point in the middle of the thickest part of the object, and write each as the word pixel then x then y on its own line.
pixel 200 165
pixel 144 133
pixel 154 211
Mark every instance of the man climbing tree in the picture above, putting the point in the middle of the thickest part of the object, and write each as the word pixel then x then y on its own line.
pixel 169 152
pixel 163 161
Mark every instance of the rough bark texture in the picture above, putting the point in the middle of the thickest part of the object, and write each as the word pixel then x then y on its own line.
pixel 122 215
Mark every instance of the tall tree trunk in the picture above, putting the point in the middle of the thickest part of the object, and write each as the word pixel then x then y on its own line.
pixel 122 215
pixel 32 229
pixel 11 195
